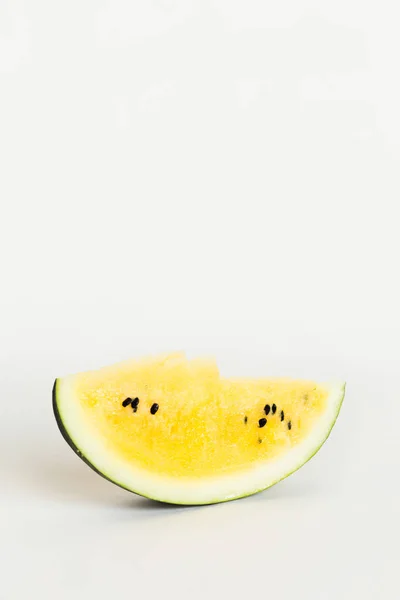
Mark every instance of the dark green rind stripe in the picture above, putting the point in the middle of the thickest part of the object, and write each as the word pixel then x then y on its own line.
pixel 72 444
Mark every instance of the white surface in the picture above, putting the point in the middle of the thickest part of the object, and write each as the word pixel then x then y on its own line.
pixel 220 177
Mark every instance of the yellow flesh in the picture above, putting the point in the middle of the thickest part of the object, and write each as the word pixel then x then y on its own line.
pixel 199 428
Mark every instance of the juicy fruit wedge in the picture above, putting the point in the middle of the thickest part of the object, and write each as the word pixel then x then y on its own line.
pixel 175 431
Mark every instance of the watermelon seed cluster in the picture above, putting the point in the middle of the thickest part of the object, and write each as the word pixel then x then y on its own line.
pixel 263 421
pixel 135 403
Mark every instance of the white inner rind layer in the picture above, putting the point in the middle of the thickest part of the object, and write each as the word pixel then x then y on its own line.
pixel 204 490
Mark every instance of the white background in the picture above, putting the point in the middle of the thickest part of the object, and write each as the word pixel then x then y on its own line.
pixel 220 177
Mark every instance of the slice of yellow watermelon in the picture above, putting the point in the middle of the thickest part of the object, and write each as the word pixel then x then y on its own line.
pixel 175 431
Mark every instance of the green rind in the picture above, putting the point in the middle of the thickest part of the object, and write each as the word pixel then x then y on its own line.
pixel 68 438
pixel 315 451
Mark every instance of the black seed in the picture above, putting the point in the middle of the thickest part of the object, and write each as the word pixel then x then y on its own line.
pixel 245 420
pixel 126 402
pixel 135 403
pixel 282 415
pixel 289 425
pixel 262 422
pixel 273 409
pixel 154 408
pixel 267 408
pixel 259 440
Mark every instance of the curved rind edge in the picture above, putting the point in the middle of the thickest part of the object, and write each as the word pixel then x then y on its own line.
pixel 72 444
pixel 69 439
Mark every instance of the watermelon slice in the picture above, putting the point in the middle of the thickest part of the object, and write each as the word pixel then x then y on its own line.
pixel 174 430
